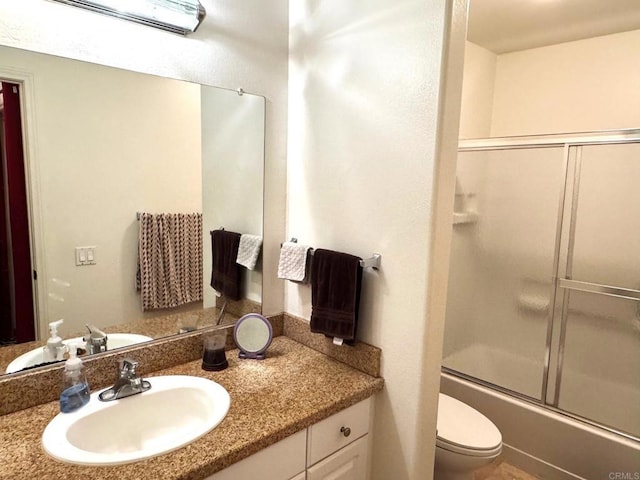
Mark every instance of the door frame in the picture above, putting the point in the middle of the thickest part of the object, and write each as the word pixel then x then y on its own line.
pixel 26 81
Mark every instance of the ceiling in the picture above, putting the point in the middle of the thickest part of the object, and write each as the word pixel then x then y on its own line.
pixel 510 25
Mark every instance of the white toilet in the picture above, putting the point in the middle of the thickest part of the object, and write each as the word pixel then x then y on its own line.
pixel 466 440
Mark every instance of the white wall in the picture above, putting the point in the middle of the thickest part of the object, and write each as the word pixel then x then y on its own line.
pixel 477 91
pixel 581 86
pixel 110 143
pixel 363 116
pixel 239 44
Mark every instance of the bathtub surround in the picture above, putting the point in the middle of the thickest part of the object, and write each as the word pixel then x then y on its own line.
pixel 537 440
pixel 589 369
pixel 582 361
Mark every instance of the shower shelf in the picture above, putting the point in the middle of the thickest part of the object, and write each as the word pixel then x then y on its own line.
pixel 460 218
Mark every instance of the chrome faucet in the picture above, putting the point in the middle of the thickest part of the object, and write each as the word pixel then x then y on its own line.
pixel 127 383
pixel 96 340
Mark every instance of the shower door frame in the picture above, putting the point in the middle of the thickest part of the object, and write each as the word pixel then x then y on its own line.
pixel 562 260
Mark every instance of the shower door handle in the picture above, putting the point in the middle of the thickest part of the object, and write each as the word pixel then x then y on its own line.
pixel 619 292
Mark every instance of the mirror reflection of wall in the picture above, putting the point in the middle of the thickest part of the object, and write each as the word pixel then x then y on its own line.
pixel 108 143
pixel 232 190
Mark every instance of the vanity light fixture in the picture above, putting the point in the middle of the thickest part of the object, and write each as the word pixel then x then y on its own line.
pixel 177 16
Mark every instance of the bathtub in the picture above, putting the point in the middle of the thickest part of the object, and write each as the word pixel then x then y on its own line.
pixel 546 443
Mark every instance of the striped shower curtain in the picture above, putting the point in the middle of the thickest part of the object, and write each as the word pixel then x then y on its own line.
pixel 169 270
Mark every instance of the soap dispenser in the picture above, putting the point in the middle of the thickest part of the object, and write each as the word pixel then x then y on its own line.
pixel 75 390
pixel 54 349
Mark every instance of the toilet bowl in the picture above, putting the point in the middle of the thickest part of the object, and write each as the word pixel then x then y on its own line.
pixel 466 440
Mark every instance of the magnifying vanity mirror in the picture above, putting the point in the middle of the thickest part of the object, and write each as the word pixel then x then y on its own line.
pixel 253 334
pixel 102 144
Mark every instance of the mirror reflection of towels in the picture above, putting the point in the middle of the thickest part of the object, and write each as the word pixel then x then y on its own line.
pixel 225 272
pixel 249 250
pixel 169 270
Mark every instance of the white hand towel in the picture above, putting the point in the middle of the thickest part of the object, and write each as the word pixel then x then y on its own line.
pixel 293 262
pixel 249 250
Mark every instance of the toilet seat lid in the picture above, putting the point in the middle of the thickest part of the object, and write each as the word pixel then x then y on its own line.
pixel 459 424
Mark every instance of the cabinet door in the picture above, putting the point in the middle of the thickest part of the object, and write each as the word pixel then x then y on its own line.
pixel 349 463
pixel 281 461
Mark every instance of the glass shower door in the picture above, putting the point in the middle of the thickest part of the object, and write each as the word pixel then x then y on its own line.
pixel 598 374
pixel 503 265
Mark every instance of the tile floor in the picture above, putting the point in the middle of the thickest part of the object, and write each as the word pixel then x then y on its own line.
pixel 500 470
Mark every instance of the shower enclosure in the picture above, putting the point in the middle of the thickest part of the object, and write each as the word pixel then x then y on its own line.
pixel 544 287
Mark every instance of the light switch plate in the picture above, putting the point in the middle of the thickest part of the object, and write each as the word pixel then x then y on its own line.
pixel 85 256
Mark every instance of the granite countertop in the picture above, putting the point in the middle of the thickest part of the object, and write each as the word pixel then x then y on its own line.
pixel 271 399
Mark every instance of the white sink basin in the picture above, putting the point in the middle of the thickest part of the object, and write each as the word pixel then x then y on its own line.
pixel 35 356
pixel 176 411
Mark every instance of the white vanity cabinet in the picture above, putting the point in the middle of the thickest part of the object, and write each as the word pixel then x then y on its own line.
pixel 335 448
pixel 284 460
pixel 348 463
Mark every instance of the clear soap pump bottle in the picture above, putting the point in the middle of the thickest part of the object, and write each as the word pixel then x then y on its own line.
pixel 54 349
pixel 75 390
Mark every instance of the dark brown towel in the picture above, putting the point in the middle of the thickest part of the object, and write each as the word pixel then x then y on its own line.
pixel 226 273
pixel 335 294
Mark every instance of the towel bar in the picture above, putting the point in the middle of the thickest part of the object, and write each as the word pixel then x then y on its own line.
pixel 139 214
pixel 371 262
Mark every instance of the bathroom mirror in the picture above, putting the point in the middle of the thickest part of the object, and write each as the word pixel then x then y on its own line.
pixel 103 144
pixel 253 334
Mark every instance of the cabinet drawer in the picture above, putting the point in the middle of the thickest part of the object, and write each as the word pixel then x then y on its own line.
pixel 329 435
pixel 282 460
pixel 350 463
